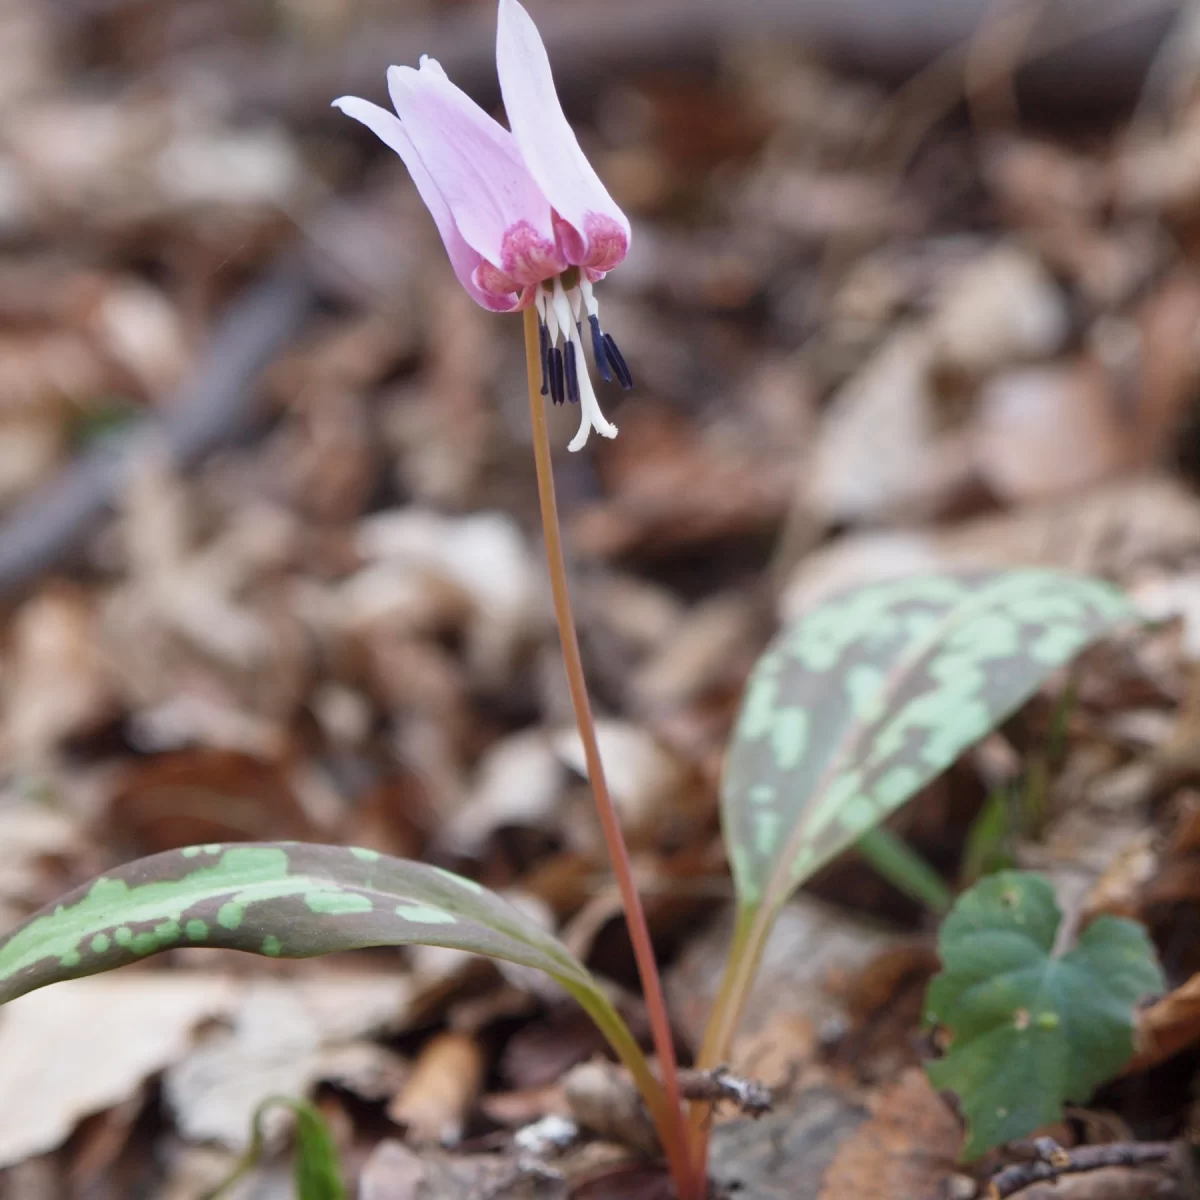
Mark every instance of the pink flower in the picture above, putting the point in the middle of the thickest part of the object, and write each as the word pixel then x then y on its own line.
pixel 524 217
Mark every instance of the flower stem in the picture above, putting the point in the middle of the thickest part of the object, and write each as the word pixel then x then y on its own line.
pixel 666 1107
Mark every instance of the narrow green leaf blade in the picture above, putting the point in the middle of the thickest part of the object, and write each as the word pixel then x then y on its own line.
pixel 316 1170
pixel 862 701
pixel 1031 1032
pixel 288 900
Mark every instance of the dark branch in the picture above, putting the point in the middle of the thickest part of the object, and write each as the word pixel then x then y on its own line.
pixel 752 1097
pixel 1052 1161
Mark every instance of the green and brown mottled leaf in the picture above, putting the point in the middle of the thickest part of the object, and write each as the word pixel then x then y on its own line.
pixel 294 900
pixel 863 700
pixel 287 900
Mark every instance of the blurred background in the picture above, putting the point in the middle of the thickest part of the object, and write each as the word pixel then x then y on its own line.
pixel 913 285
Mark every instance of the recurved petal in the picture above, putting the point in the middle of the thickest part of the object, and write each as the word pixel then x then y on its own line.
pixel 599 231
pixel 465 260
pixel 476 165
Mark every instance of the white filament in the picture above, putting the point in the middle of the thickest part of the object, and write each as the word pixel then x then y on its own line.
pixel 561 313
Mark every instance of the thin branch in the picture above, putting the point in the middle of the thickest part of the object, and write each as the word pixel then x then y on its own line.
pixel 1052 1161
pixel 589 42
pixel 718 1084
pixel 211 409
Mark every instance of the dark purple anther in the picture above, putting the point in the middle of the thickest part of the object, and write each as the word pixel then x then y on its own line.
pixel 558 383
pixel 598 350
pixel 624 378
pixel 572 373
pixel 544 346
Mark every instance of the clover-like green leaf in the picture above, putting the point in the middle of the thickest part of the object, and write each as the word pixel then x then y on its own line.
pixel 1031 1032
pixel 862 701
pixel 288 900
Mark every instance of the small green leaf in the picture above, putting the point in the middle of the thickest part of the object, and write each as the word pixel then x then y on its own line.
pixel 862 701
pixel 316 1171
pixel 1031 1032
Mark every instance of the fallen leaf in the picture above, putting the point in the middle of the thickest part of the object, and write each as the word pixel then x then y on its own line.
pixel 654 790
pixel 905 1151
pixel 784 1155
pixel 1000 308
pixel 442 1089
pixel 278 1041
pixel 86 1046
pixel 880 451
pixel 1027 418
pixel 811 949
pixel 1109 530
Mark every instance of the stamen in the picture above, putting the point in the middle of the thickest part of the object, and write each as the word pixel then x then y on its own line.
pixel 589 296
pixel 544 347
pixel 590 416
pixel 618 362
pixel 546 308
pixel 557 376
pixel 561 307
pixel 598 349
pixel 572 372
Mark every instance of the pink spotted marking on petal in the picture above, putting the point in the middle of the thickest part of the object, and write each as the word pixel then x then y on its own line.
pixel 529 258
pixel 608 242
pixel 492 279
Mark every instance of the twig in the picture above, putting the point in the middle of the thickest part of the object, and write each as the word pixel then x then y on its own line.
pixel 1052 1160
pixel 588 42
pixel 711 1087
pixel 213 408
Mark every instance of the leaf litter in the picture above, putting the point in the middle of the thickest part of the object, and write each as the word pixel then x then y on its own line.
pixel 331 623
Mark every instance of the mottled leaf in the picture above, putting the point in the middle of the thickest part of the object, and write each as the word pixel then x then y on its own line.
pixel 862 701
pixel 294 900
pixel 287 900
pixel 1030 1032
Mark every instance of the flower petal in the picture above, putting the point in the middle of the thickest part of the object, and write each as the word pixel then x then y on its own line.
pixel 465 261
pixel 599 231
pixel 478 169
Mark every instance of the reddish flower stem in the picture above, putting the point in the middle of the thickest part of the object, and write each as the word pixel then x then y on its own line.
pixel 669 1117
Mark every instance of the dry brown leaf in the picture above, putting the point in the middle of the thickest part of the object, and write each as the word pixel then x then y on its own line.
pixel 31 834
pixel 654 505
pixel 604 1100
pixel 82 1047
pixel 196 796
pixel 655 792
pixel 393 1172
pixel 1167 1026
pixel 881 452
pixel 442 1089
pixel 280 1039
pixel 518 782
pixel 1109 531
pixel 1044 431
pixel 56 685
pixel 812 948
pixel 1001 308
pixel 906 1151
